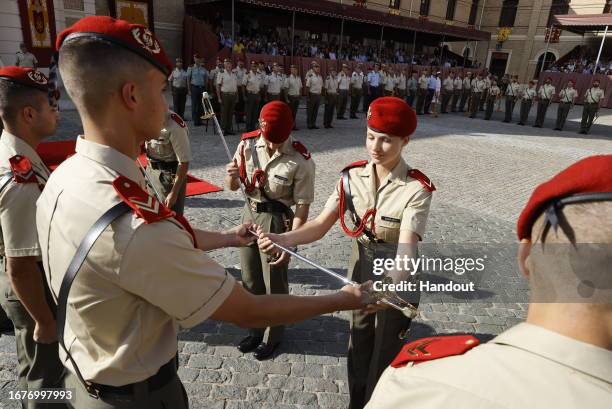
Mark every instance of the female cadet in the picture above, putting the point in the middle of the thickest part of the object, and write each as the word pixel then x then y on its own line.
pixel 389 204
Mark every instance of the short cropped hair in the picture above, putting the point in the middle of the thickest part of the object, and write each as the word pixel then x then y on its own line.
pixel 93 69
pixel 14 97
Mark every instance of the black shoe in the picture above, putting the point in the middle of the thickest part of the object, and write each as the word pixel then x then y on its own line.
pixel 556 129
pixel 520 123
pixel 6 326
pixel 315 127
pixel 310 127
pixel 583 132
pixel 265 351
pixel 506 121
pixel 249 344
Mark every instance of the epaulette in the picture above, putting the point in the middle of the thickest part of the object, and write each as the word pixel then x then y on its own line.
pixel 358 164
pixel 22 169
pixel 250 135
pixel 302 150
pixel 420 176
pixel 428 349
pixel 144 205
pixel 177 118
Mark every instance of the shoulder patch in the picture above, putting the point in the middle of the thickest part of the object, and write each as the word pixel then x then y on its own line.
pixel 176 118
pixel 144 205
pixel 428 349
pixel 420 176
pixel 250 135
pixel 298 146
pixel 22 169
pixel 358 164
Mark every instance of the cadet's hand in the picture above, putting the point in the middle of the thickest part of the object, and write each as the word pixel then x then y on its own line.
pixel 242 236
pixel 170 199
pixel 283 259
pixel 354 297
pixel 45 333
pixel 232 170
pixel 266 240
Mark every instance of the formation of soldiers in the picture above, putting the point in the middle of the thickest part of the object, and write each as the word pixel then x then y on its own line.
pixel 100 268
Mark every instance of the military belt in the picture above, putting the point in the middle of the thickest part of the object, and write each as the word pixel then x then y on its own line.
pixel 269 207
pixel 163 165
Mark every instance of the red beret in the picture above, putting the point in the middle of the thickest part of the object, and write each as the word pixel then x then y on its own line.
pixel 276 121
pixel 134 37
pixel 25 76
pixel 392 116
pixel 589 175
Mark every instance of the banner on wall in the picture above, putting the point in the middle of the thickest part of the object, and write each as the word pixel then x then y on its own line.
pixel 133 11
pixel 38 28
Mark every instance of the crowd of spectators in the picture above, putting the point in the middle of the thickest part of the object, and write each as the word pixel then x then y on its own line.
pixel 583 66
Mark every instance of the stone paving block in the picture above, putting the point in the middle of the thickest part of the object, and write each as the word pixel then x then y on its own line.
pixel 300 398
pixel 188 374
pixel 273 367
pixel 307 370
pixel 249 365
pixel 214 376
pixel 320 385
pixel 333 401
pixel 228 392
pixel 264 395
pixel 205 361
pixel 201 390
pixel 247 379
pixel 285 382
pixel 199 403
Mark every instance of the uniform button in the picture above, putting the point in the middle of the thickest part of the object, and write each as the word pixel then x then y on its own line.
pixel 126 184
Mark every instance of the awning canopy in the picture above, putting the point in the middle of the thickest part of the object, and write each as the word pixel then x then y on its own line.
pixel 350 12
pixel 584 23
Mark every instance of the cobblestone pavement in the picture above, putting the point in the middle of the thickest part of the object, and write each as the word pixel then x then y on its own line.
pixel 484 172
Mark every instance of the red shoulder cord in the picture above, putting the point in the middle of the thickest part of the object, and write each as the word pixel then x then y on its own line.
pixel 369 214
pixel 258 178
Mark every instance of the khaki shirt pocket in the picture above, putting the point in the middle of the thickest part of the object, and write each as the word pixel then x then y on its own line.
pixel 280 185
pixel 388 227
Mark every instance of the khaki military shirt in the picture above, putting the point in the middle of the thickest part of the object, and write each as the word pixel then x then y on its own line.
pixel 344 81
pixel 253 82
pixel 513 89
pixel 568 95
pixel 458 84
pixel 227 81
pixel 314 83
pixel 401 202
pixel 172 144
pixel 331 85
pixel 487 82
pixel 240 73
pixel 423 82
pixel 467 83
pixel 593 95
pixel 478 85
pixel 214 73
pixel 294 85
pixel 390 82
pixel 273 83
pixel 140 282
pixel 448 84
pixel 357 79
pixel 401 82
pixel 26 59
pixel 289 176
pixel 546 91
pixel 527 366
pixel 494 90
pixel 18 201
pixel 529 93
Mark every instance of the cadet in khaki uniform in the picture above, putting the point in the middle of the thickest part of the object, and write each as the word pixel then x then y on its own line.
pixel 169 157
pixel 389 83
pixel 283 176
pixel 492 97
pixel 146 273
pixel 457 91
pixel 314 84
pixel 400 84
pixel 273 84
pixel 28 118
pixel 412 88
pixel 253 86
pixel 331 98
pixel 483 98
pixel 422 92
pixel 466 92
pixel 478 87
pixel 545 94
pixel 527 97
pixel 214 73
pixel 240 73
pixel 227 91
pixel 592 99
pixel 293 83
pixel 512 94
pixel 389 203
pixel 448 87
pixel 344 84
pixel 357 81
pixel 567 97
pixel 566 339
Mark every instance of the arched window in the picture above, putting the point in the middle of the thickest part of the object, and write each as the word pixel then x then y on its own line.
pixel 547 59
pixel 508 13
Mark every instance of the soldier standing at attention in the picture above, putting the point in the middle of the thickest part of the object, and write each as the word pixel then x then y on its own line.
pixel 344 84
pixel 389 203
pixel 448 87
pixel 24 58
pixel 457 91
pixel 478 87
pixel 374 85
pixel 567 336
pixel 314 83
pixel 197 80
pixel 178 85
pixel 28 119
pixel 273 84
pixel 240 73
pixel 294 91
pixel 283 176
pixel 483 98
pixel 357 79
pixel 466 92
pixel 365 91
pixel 527 97
pixel 212 84
pixel 227 92
pixel 120 276
pixel 545 94
pixel 263 75
pixel 390 82
pixel 412 88
pixel 567 97
pixel 492 96
pixel 169 157
pixel 253 85
pixel 512 93
pixel 331 98
pixel 283 77
pixel 400 81
pixel 422 92
pixel 592 99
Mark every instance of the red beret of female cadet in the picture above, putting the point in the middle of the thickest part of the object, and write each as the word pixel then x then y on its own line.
pixel 589 175
pixel 392 116
pixel 276 121
pixel 28 77
pixel 134 37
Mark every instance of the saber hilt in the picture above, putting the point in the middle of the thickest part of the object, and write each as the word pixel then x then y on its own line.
pixel 149 182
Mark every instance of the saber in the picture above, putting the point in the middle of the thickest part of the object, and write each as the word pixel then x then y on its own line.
pixel 387 297
pixel 209 113
pixel 149 182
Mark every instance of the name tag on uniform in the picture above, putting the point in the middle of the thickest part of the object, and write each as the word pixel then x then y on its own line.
pixel 391 219
pixel 284 179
